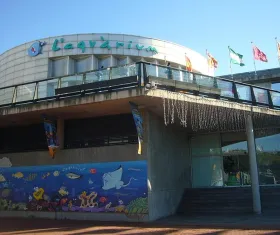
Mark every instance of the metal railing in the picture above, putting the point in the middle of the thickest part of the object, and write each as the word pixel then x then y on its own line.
pixel 46 89
pixel 229 89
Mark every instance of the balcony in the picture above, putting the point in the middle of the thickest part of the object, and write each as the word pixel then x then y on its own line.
pixel 137 75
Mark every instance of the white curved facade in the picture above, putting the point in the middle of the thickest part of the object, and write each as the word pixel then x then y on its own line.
pixel 70 54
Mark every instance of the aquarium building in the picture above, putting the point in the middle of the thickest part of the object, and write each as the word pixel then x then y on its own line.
pixel 139 130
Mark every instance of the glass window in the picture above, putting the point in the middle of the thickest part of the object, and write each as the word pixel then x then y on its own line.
pixel 268 153
pixel 6 95
pixel 275 96
pixel 83 64
pixel 187 77
pixel 122 61
pixel 47 88
pixel 206 145
pixel 207 162
pixel 207 171
pixel 244 92
pixel 97 76
pixel 71 81
pixel 275 86
pixel 59 67
pixel 25 92
pixel 226 88
pixel 204 80
pixel 261 95
pixel 235 159
pixel 104 62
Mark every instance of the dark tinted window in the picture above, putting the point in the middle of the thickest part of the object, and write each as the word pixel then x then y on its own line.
pixel 102 131
pixel 23 138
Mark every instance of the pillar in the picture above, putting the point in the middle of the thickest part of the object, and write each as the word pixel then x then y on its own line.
pixel 60 132
pixel 253 165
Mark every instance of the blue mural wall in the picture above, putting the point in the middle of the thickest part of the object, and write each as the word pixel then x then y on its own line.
pixel 117 187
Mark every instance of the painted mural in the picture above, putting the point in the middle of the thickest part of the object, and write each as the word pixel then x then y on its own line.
pixel 116 187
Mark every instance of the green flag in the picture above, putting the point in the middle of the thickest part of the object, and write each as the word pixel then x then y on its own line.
pixel 235 58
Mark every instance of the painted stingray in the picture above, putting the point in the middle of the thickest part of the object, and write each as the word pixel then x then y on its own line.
pixel 113 180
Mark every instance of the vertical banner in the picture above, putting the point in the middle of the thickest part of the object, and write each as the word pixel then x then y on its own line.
pixel 51 134
pixel 139 125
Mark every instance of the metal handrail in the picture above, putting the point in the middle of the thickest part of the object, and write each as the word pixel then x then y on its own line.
pixel 141 72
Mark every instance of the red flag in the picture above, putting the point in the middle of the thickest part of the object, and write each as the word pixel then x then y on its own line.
pixel 212 62
pixel 278 49
pixel 188 64
pixel 259 55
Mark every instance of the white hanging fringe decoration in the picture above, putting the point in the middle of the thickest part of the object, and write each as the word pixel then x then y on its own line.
pixel 207 114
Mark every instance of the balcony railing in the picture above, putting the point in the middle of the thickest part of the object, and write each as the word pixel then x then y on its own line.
pixel 140 72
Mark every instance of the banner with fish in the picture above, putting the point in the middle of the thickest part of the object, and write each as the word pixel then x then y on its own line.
pixel 138 123
pixel 116 187
pixel 51 134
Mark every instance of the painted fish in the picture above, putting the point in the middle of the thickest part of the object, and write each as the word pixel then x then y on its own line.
pixel 6 192
pixel 103 199
pixel 120 202
pixel 2 178
pixel 31 177
pixel 62 191
pixel 90 181
pixel 56 173
pixel 73 176
pixel 92 171
pixel 36 48
pixel 63 201
pixel 38 194
pixel 18 175
pixel 45 175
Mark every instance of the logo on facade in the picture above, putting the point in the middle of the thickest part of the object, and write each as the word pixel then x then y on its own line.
pixel 36 48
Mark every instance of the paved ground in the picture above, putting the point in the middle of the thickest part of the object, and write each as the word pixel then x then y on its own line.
pixel 173 225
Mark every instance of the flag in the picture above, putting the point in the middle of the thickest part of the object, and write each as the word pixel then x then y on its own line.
pixel 212 62
pixel 51 134
pixel 235 58
pixel 259 55
pixel 138 123
pixel 188 64
pixel 278 50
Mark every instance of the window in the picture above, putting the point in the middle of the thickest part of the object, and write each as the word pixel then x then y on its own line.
pixel 275 86
pixel 102 131
pixel 83 64
pixel 268 154
pixel 59 67
pixel 23 138
pixel 106 62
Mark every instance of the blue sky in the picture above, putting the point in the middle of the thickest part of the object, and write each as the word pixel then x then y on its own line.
pixel 197 24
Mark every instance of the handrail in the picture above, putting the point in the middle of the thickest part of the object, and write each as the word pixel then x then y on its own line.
pixel 205 75
pixel 68 75
pixel 45 88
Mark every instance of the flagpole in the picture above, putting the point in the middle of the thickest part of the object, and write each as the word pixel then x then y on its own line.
pixel 207 59
pixel 278 56
pixel 254 60
pixel 230 64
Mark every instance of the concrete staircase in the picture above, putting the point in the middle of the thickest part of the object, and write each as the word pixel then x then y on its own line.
pixel 270 198
pixel 216 201
pixel 219 201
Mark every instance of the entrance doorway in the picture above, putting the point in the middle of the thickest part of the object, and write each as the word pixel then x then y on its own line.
pixel 220 160
pixel 236 169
